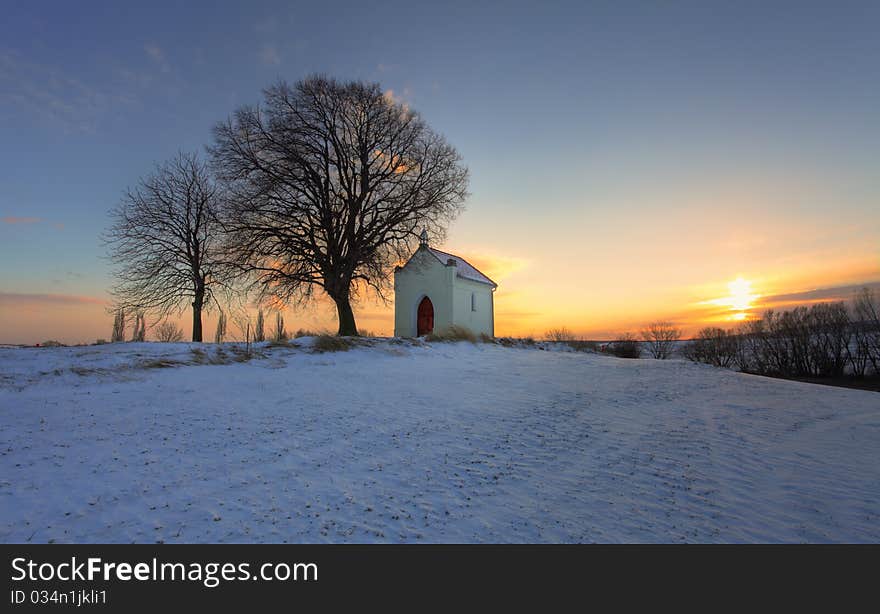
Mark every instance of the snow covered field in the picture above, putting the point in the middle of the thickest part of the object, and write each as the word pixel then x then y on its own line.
pixel 439 443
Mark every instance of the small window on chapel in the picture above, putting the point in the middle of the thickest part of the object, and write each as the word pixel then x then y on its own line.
pixel 473 302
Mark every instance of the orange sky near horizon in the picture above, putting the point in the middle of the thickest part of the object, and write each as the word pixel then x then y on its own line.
pixel 689 252
pixel 532 298
pixel 683 161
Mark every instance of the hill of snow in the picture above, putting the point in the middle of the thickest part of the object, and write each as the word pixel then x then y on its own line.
pixel 401 442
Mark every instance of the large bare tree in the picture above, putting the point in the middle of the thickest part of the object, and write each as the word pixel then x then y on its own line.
pixel 165 241
pixel 330 186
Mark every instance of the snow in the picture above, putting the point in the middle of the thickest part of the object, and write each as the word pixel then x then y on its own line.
pixel 442 442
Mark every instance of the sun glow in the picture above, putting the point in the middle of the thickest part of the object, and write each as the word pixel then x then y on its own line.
pixel 740 299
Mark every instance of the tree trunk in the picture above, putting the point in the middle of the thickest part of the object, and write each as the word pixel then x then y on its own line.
pixel 347 327
pixel 197 315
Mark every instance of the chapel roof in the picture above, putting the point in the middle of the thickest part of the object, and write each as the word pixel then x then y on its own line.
pixel 463 268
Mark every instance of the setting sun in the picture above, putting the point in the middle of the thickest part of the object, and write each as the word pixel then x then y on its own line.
pixel 739 301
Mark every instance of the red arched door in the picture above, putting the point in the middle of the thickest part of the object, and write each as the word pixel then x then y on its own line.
pixel 425 317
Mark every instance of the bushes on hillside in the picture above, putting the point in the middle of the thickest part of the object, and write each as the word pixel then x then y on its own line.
pixel 713 346
pixel 168 332
pixel 823 340
pixel 559 335
pixel 626 346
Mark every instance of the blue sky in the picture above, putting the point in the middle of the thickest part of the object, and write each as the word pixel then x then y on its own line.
pixel 580 122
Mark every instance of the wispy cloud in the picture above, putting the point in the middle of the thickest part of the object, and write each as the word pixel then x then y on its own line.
pixel 157 54
pixel 817 295
pixel 49 93
pixel 269 55
pixel 24 298
pixel 11 219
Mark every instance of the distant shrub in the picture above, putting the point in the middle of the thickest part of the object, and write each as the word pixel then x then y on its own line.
pixel 332 343
pixel 625 346
pixel 100 341
pixel 453 333
pixel 302 332
pixel 713 346
pixel 864 351
pixel 168 332
pixel 660 337
pixel 559 335
pixel 583 346
pixel 51 343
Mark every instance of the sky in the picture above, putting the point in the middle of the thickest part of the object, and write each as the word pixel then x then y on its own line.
pixel 696 162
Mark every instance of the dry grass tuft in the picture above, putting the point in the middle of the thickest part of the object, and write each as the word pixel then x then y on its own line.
pixel 453 333
pixel 332 343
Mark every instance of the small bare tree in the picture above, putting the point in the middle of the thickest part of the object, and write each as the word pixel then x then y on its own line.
pixel 164 242
pixel 140 327
pixel 220 332
pixel 660 337
pixel 280 333
pixel 331 185
pixel 866 324
pixel 118 326
pixel 168 332
pixel 561 335
pixel 260 327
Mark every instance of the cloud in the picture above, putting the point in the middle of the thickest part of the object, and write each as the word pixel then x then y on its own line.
pixel 50 94
pixel 155 52
pixel 23 298
pixel 269 55
pixel 816 295
pixel 11 219
pixel 158 56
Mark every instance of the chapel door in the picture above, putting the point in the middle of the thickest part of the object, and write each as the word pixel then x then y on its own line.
pixel 425 317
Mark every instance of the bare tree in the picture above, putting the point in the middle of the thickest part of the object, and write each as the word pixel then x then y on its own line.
pixel 280 334
pixel 260 327
pixel 118 326
pixel 561 335
pixel 140 327
pixel 660 337
pixel 168 332
pixel 713 346
pixel 241 321
pixel 164 241
pixel 220 332
pixel 866 324
pixel 331 185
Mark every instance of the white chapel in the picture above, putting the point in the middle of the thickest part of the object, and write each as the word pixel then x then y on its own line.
pixel 435 290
